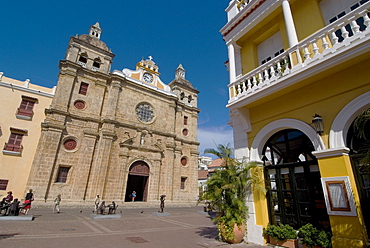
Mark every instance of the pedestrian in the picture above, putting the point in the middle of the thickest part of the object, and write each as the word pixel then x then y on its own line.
pixel 9 197
pixel 14 207
pixel 102 207
pixel 57 201
pixel 133 195
pixel 27 202
pixel 97 202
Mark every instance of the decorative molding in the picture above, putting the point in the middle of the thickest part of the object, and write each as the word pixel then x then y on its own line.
pixel 334 152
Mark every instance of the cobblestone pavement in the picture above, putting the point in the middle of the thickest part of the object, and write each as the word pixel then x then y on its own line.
pixel 74 227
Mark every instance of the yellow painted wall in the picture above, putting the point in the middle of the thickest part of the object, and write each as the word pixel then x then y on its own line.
pixel 16 168
pixel 348 231
pixel 307 18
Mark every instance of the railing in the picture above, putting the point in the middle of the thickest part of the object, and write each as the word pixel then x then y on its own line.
pixel 82 64
pixel 12 149
pixel 326 42
pixel 24 112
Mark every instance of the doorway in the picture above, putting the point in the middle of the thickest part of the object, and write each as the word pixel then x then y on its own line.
pixel 138 179
pixel 293 181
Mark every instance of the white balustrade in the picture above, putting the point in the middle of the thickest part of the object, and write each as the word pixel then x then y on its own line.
pixel 330 38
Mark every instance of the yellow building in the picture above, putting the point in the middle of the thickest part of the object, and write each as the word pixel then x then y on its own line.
pixel 294 64
pixel 21 114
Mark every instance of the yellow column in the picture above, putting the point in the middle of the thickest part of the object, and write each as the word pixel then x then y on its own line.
pixel 348 231
pixel 260 200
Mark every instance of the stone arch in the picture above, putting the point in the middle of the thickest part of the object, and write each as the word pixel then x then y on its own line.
pixel 344 119
pixel 267 131
pixel 138 181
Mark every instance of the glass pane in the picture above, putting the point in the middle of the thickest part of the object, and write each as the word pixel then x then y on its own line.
pixel 305 209
pixel 303 196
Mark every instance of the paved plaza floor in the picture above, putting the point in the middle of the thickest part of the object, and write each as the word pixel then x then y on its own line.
pixel 74 227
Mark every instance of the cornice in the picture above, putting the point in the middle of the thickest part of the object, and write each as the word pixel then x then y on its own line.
pixel 28 90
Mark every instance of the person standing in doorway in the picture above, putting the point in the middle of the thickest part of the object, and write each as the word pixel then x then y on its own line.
pixel 133 195
pixel 57 201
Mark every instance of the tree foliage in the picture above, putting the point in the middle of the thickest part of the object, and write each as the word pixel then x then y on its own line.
pixel 227 189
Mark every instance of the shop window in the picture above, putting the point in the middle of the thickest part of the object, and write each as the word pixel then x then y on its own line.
pixel 83 88
pixel 3 184
pixel 25 110
pixel 183 182
pixel 62 174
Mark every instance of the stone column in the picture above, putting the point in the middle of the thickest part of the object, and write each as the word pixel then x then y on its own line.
pixel 99 170
pixel 289 23
pixel 110 111
pixel 44 163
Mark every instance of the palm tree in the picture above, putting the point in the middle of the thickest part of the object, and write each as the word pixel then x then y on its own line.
pixel 227 190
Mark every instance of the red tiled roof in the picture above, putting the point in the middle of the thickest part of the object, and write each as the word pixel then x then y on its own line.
pixel 216 163
pixel 202 174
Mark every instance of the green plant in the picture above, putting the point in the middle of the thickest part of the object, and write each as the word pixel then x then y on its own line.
pixel 310 236
pixel 280 232
pixel 227 189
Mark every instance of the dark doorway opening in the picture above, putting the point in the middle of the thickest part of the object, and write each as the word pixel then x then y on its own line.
pixel 137 181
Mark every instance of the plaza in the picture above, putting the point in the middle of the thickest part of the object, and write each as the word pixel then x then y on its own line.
pixel 138 227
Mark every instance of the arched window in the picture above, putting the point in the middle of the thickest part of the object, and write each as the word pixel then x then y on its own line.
pixel 293 182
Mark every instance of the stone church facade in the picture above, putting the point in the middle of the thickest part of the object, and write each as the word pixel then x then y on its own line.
pixel 111 133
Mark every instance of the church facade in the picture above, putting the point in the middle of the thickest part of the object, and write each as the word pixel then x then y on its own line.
pixel 112 133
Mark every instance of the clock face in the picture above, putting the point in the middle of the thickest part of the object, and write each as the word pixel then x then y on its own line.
pixel 148 77
pixel 145 112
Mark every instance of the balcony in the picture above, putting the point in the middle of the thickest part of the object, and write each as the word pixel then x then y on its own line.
pixel 12 149
pixel 24 114
pixel 337 43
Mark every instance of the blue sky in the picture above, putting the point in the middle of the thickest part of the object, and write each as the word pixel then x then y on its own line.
pixel 35 35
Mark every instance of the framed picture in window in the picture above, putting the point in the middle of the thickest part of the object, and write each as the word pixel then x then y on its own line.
pixel 338 196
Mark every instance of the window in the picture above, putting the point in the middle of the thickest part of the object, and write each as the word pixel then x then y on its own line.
pixel 185 132
pixel 96 65
pixel 185 120
pixel 25 110
pixel 62 174
pixel 3 184
pixel 183 181
pixel 270 48
pixel 83 88
pixel 83 60
pixel 14 147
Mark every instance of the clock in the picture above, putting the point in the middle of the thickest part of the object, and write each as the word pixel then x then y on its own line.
pixel 145 112
pixel 148 78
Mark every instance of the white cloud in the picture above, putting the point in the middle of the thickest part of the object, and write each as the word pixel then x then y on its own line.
pixel 210 137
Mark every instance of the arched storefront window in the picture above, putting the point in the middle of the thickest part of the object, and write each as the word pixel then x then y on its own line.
pixel 292 175
pixel 360 159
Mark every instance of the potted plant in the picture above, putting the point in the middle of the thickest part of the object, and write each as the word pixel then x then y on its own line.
pixel 282 235
pixel 310 236
pixel 226 190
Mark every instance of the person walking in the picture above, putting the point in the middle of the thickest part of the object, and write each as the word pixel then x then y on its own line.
pixel 57 201
pixel 27 202
pixel 97 202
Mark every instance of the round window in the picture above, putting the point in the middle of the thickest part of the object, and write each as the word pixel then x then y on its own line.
pixel 184 161
pixel 185 132
pixel 79 104
pixel 70 144
pixel 145 112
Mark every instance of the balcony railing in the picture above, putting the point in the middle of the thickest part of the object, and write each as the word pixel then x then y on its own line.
pixel 12 149
pixel 24 114
pixel 328 42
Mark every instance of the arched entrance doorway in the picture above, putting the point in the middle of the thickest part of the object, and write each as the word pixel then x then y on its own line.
pixel 295 194
pixel 138 178
pixel 359 143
